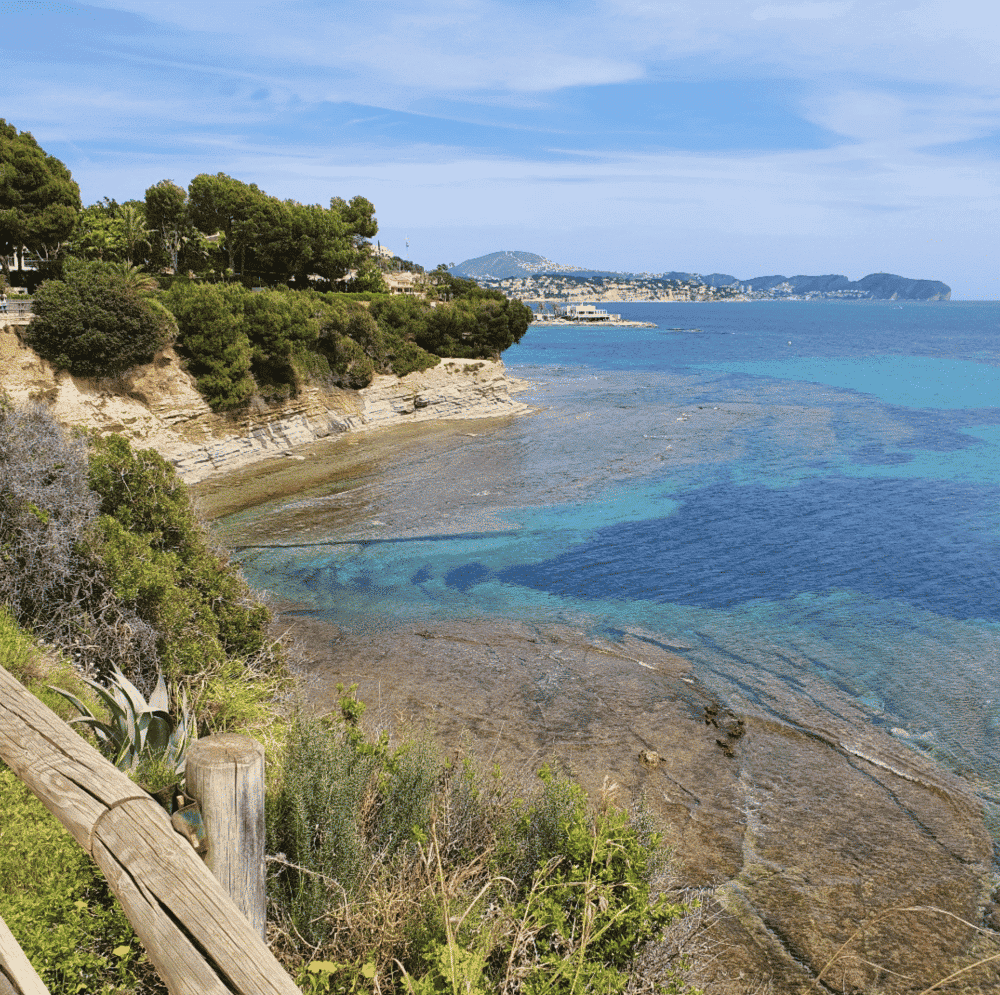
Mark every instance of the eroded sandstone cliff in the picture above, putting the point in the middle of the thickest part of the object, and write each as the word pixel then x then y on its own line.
pixel 157 406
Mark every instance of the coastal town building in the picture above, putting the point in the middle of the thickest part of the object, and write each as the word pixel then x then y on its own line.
pixel 588 312
pixel 405 283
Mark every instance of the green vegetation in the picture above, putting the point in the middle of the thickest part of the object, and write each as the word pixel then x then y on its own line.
pixel 39 201
pixel 138 733
pixel 95 321
pixel 96 313
pixel 398 871
pixel 56 902
pixel 100 553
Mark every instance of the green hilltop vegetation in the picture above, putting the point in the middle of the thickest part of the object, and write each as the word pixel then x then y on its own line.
pixel 259 295
pixel 393 868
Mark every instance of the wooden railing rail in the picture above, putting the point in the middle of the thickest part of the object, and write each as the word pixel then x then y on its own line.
pixel 17 976
pixel 195 936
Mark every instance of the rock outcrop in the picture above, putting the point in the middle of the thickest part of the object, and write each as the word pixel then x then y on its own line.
pixel 157 406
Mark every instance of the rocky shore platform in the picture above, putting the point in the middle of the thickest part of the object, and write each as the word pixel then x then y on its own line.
pixel 828 857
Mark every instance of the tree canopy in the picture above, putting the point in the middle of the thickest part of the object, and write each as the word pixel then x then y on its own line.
pixel 95 321
pixel 39 199
pixel 282 240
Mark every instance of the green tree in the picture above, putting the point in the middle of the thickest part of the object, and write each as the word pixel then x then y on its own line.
pixel 135 233
pixel 446 287
pixel 39 200
pixel 220 203
pixel 166 215
pixel 98 234
pixel 214 339
pixel 94 322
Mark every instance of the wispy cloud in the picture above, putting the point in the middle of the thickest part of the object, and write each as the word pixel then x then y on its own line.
pixel 761 125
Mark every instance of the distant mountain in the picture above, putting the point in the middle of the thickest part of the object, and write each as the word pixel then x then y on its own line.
pixel 876 286
pixel 503 265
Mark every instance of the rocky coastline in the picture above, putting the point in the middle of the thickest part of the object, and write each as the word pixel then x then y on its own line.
pixel 157 406
pixel 828 856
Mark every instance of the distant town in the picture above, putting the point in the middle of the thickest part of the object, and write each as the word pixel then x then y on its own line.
pixel 537 280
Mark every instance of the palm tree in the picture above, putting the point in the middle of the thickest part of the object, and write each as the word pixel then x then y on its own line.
pixel 135 276
pixel 134 231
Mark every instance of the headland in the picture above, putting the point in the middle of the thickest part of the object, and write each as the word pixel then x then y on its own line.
pixel 157 406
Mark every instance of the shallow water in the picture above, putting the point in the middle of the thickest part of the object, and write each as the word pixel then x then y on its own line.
pixel 809 490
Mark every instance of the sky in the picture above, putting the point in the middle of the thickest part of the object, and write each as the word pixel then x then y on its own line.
pixel 749 138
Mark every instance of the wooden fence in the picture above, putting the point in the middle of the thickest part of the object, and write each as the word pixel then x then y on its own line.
pixel 194 934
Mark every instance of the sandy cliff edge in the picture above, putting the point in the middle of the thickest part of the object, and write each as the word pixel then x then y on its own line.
pixel 158 407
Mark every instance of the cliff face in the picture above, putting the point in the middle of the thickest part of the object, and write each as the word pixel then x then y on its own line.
pixel 157 406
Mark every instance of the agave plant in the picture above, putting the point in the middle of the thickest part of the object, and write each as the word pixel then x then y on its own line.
pixel 136 728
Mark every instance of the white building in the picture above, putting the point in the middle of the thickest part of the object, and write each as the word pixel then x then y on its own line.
pixel 587 312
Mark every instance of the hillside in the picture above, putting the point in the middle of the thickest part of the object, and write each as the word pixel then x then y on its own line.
pixel 533 277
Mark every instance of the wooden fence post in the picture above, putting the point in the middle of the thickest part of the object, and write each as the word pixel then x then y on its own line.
pixel 225 775
pixel 17 976
pixel 198 940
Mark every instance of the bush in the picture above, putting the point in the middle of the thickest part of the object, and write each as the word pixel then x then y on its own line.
pixel 101 554
pixel 93 322
pixel 160 566
pixel 51 579
pixel 392 864
pixel 278 325
pixel 214 339
pixel 481 324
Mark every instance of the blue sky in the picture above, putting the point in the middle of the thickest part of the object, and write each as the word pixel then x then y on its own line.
pixel 712 136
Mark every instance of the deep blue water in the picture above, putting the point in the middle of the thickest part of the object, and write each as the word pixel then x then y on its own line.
pixel 820 479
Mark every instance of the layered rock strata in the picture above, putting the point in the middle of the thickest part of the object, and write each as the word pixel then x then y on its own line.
pixel 157 406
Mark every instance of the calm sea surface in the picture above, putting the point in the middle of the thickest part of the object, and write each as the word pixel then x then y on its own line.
pixel 765 482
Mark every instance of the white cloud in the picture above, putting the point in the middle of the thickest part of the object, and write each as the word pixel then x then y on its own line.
pixel 915 120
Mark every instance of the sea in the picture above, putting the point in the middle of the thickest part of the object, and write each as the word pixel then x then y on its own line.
pixel 744 482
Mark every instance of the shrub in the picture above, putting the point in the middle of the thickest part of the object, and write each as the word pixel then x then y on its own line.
pixel 94 322
pixel 349 365
pixel 214 339
pixel 481 324
pixel 278 325
pixel 160 566
pixel 51 579
pixel 392 864
pixel 101 554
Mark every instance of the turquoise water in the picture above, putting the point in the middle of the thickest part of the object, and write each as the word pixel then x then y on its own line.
pixel 805 485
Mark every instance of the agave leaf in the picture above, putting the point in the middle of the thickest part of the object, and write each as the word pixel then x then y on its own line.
pixel 139 703
pixel 114 707
pixel 159 700
pixel 73 700
pixel 158 734
pixel 138 731
pixel 103 730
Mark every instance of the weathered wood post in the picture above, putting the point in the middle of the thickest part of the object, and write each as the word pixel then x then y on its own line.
pixel 198 940
pixel 225 775
pixel 17 976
